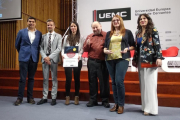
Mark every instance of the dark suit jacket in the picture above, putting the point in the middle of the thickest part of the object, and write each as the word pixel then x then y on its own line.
pixel 24 46
pixel 127 41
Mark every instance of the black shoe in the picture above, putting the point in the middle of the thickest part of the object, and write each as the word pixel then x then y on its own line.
pixel 91 104
pixel 18 102
pixel 31 101
pixel 42 101
pixel 53 102
pixel 106 104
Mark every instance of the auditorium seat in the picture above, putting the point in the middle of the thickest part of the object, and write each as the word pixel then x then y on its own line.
pixel 85 54
pixel 170 59
pixel 132 53
pixel 170 52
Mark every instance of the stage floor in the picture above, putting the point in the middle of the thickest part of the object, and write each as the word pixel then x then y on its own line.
pixel 77 112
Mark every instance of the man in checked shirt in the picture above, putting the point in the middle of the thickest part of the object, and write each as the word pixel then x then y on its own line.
pixel 94 45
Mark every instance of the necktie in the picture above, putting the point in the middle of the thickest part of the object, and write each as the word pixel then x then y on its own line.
pixel 49 44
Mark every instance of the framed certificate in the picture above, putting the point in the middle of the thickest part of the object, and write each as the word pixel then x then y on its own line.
pixel 70 62
pixel 71 56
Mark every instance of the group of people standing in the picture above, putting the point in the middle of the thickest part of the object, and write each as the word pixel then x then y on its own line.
pixel 108 53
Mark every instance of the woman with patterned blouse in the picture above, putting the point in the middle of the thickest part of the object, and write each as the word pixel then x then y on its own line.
pixel 118 43
pixel 147 58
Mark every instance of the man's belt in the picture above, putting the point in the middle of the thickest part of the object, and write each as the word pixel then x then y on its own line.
pixel 97 60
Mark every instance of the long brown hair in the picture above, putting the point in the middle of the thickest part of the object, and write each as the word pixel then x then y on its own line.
pixel 73 40
pixel 149 27
pixel 121 27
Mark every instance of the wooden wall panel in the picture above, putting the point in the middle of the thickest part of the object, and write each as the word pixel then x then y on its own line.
pixel 7 44
pixel 58 10
pixel 66 14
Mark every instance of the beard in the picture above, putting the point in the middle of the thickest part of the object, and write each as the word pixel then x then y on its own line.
pixel 50 30
pixel 97 32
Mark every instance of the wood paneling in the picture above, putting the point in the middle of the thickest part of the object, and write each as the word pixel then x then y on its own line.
pixel 7 44
pixel 66 13
pixel 58 10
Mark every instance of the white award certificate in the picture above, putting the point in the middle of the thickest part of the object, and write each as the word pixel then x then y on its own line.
pixel 70 62
pixel 70 56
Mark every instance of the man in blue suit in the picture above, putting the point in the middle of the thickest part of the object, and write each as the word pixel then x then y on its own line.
pixel 28 46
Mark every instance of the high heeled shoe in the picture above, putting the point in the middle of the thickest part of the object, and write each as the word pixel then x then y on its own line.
pixel 146 113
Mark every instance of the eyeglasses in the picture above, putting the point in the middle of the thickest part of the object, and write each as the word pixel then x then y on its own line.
pixel 115 20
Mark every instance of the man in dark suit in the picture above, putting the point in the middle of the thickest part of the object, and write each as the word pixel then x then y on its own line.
pixel 28 45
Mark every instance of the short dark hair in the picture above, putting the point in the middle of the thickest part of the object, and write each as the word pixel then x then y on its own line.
pixel 31 18
pixel 50 20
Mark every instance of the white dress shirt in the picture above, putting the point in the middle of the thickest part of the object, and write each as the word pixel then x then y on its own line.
pixel 31 35
pixel 52 36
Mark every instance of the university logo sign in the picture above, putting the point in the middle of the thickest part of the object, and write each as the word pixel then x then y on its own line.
pixel 106 15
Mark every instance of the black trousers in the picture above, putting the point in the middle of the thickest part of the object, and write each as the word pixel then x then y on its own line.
pixel 68 72
pixel 27 68
pixel 97 70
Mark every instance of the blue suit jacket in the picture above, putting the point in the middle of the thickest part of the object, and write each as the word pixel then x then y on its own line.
pixel 25 48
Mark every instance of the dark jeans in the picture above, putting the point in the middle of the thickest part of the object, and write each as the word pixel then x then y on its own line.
pixel 68 72
pixel 117 70
pixel 97 69
pixel 29 68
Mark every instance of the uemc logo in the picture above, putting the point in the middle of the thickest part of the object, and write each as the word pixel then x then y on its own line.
pixel 106 15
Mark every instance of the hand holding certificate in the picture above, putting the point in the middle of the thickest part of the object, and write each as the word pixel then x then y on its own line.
pixel 71 56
